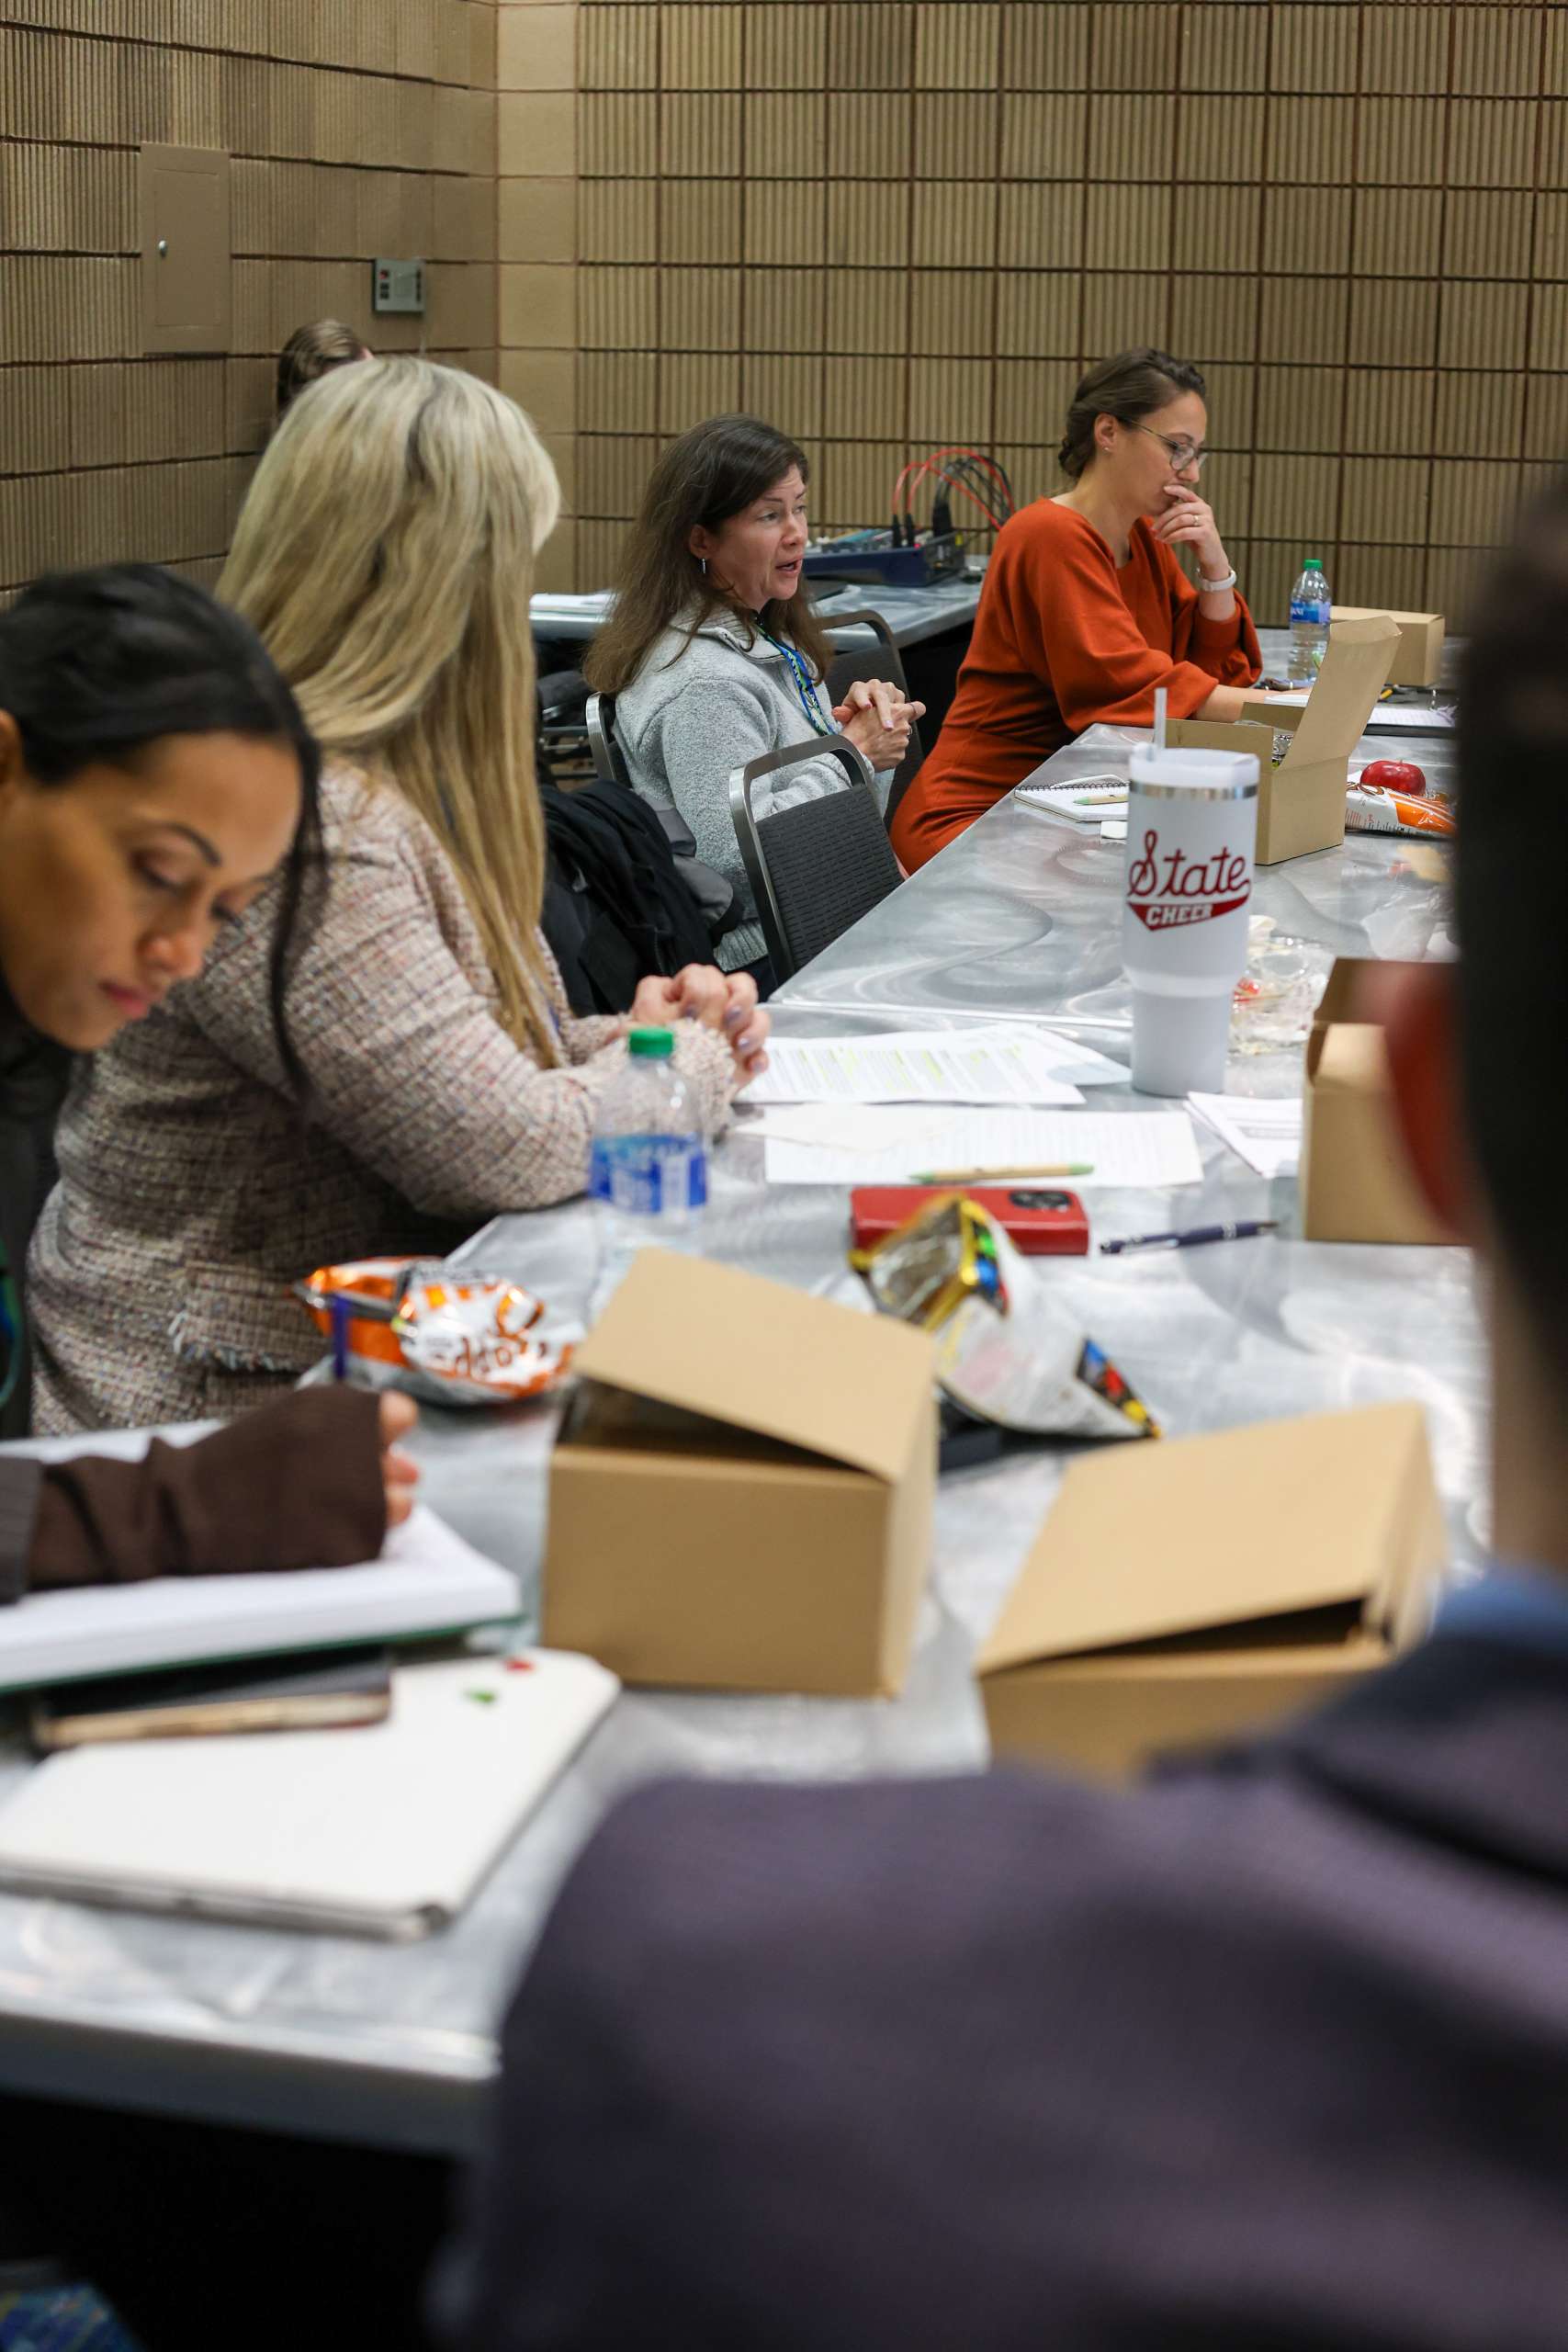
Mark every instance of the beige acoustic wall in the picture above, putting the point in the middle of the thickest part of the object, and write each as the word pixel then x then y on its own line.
pixel 887 225
pixel 536 156
pixel 358 127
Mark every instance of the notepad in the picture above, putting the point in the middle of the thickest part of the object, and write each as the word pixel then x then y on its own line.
pixel 381 1830
pixel 1082 800
pixel 1152 1148
pixel 427 1581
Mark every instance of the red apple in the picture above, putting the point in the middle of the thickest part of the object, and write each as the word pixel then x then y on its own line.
pixel 1396 775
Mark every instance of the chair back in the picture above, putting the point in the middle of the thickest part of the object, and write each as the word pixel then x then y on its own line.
pixel 609 760
pixel 879 661
pixel 816 869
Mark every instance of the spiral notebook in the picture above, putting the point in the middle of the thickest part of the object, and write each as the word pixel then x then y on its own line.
pixel 385 1829
pixel 1082 800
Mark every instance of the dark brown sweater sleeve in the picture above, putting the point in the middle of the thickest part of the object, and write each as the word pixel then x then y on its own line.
pixel 294 1485
pixel 21 1482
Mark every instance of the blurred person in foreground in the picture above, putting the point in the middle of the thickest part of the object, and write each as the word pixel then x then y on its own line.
pixel 1272 2052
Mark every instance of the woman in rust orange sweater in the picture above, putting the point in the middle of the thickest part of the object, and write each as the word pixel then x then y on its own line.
pixel 1085 610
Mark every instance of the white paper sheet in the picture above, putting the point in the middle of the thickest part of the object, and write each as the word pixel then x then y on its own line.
pixel 1144 1148
pixel 1264 1130
pixel 1387 717
pixel 848 1126
pixel 1001 1065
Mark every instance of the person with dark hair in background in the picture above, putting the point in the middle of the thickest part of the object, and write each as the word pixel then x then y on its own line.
pixel 1085 610
pixel 311 353
pixel 715 655
pixel 155 774
pixel 1271 2054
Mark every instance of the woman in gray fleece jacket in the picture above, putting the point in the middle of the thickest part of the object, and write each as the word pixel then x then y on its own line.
pixel 713 651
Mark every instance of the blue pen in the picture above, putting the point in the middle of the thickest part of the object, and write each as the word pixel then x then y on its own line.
pixel 340 1312
pixel 1242 1230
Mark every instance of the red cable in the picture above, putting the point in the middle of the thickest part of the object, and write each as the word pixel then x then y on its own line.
pixel 918 466
pixel 929 465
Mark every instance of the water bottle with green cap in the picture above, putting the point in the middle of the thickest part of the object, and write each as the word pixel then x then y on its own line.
pixel 647 1176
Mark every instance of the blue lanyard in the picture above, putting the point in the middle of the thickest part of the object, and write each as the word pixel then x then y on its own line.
pixel 802 676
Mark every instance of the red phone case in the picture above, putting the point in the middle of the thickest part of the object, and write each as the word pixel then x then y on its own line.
pixel 1040 1220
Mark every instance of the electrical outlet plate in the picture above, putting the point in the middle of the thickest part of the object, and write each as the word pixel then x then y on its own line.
pixel 397 286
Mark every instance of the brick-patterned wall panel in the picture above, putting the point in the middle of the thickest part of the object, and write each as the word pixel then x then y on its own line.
pixel 358 127
pixel 886 225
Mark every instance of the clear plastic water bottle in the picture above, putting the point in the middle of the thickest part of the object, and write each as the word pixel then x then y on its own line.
pixel 1309 622
pixel 648 1178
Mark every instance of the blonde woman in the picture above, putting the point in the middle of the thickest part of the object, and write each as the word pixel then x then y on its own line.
pixel 383 555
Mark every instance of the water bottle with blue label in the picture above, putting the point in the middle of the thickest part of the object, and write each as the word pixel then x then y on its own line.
pixel 648 1179
pixel 1310 611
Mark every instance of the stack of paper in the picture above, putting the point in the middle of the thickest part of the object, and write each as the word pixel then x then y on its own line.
pixel 1142 1148
pixel 1265 1131
pixel 1006 1063
pixel 427 1581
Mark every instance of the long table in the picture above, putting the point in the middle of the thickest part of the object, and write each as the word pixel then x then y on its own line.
pixel 392 2046
pixel 912 613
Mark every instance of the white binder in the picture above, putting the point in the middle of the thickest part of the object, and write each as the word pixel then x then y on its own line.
pixel 382 1829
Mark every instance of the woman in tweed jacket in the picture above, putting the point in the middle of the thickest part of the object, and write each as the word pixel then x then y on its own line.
pixel 385 554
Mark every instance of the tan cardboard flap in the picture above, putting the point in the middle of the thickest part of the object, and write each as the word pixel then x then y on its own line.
pixel 1352 1058
pixel 852 1387
pixel 1213 1531
pixel 1355 671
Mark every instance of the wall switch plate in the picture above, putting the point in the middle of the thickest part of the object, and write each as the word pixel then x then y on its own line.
pixel 398 286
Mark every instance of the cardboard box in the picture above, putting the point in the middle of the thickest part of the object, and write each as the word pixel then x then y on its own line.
pixel 1300 803
pixel 1187 1591
pixel 1356 1182
pixel 1418 655
pixel 741 1498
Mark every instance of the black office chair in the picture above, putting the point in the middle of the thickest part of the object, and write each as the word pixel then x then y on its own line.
pixel 561 738
pixel 609 761
pixel 879 661
pixel 814 869
pixel 720 903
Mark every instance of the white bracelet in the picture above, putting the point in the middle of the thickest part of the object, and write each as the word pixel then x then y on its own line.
pixel 1214 587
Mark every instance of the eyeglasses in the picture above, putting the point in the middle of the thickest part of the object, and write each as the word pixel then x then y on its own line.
pixel 1183 456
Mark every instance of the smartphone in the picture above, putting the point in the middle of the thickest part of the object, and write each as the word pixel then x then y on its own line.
pixel 355 1688
pixel 1040 1220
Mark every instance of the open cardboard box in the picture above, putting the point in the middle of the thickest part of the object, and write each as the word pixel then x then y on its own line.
pixel 1355 1181
pixel 1181 1592
pixel 1300 803
pixel 741 1497
pixel 1418 655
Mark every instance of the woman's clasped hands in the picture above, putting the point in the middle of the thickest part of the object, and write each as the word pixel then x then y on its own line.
pixel 722 1000
pixel 877 718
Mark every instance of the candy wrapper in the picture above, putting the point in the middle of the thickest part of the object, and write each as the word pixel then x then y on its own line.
pixel 1008 1349
pixel 1369 810
pixel 468 1339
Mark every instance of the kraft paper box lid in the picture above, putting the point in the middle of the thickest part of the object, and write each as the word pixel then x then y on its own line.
pixel 1333 719
pixel 1418 658
pixel 1345 1051
pixel 758 1356
pixel 1200 1534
